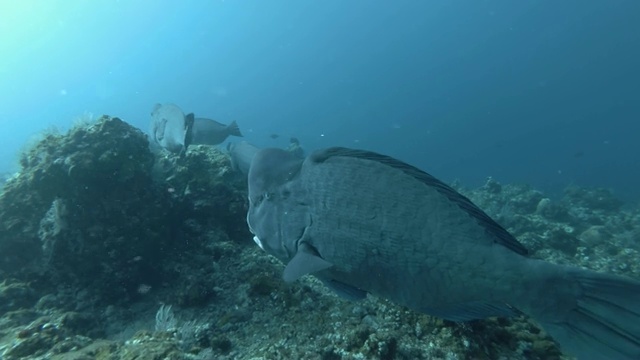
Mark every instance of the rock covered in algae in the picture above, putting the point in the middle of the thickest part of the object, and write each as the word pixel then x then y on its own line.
pixel 96 219
pixel 84 209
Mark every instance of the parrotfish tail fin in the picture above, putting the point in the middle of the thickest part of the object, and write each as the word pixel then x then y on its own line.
pixel 234 129
pixel 603 321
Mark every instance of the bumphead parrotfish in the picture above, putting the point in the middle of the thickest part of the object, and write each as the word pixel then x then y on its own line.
pixel 170 127
pixel 241 155
pixel 364 223
pixel 210 132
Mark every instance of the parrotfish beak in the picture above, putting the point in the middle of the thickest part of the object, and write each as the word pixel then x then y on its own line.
pixel 258 242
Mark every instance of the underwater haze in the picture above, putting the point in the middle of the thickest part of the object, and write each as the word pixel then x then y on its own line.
pixel 539 92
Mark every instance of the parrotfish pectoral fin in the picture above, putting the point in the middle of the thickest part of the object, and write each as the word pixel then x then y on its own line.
pixel 472 311
pixel 306 261
pixel 345 291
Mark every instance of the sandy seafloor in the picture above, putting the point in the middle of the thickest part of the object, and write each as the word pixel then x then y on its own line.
pixel 111 251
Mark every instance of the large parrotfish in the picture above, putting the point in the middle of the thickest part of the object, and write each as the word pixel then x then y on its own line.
pixel 366 223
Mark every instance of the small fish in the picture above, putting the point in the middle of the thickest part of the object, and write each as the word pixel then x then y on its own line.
pixel 241 155
pixel 210 132
pixel 274 136
pixel 170 128
pixel 365 223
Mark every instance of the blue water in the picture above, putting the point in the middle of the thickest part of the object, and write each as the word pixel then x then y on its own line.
pixel 542 92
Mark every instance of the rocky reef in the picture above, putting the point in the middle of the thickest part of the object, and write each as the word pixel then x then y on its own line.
pixel 110 249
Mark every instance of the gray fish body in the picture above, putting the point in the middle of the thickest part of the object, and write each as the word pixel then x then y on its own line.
pixel 210 132
pixel 170 127
pixel 366 223
pixel 241 154
pixel 360 226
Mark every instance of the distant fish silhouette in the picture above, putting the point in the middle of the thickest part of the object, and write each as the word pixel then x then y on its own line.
pixel 295 148
pixel 170 128
pixel 210 132
pixel 274 136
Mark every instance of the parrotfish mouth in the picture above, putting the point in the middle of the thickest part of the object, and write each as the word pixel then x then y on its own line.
pixel 258 242
pixel 256 239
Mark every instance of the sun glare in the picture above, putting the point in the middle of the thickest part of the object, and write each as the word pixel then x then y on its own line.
pixel 25 23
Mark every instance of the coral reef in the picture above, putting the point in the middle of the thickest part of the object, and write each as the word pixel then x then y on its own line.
pixel 111 250
pixel 84 211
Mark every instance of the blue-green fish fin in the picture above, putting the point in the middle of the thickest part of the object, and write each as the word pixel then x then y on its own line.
pixel 345 291
pixel 472 311
pixel 304 262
